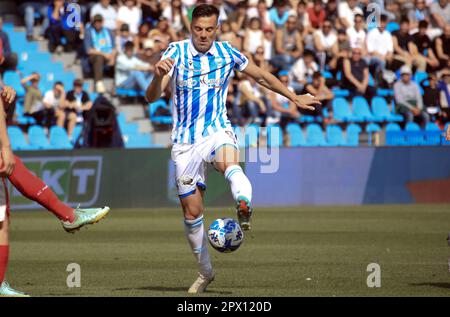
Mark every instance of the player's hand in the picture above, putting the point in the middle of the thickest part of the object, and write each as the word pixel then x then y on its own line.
pixel 163 67
pixel 7 162
pixel 8 94
pixel 306 101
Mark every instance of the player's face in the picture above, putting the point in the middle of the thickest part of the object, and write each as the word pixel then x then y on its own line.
pixel 204 31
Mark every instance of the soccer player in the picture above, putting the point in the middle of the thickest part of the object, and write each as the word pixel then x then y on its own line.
pixel 32 187
pixel 199 70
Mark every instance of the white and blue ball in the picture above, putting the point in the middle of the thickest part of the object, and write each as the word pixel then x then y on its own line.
pixel 225 235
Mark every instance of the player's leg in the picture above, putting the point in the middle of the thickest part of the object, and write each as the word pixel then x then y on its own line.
pixel 35 189
pixel 5 289
pixel 226 161
pixel 190 184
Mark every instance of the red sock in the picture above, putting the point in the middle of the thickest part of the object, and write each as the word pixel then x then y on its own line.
pixel 4 254
pixel 35 189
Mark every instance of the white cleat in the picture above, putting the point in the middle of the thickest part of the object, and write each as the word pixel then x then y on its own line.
pixel 200 284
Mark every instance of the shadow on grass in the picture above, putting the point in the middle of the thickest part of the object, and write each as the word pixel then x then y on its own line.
pixel 169 289
pixel 439 284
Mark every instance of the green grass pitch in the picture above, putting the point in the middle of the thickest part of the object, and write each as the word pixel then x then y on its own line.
pixel 305 251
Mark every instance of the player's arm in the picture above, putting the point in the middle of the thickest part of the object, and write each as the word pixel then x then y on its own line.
pixel 160 80
pixel 7 161
pixel 266 79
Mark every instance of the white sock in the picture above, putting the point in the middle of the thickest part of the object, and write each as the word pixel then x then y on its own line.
pixel 196 236
pixel 240 185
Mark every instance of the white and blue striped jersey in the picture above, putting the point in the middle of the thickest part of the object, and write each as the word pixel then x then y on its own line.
pixel 199 88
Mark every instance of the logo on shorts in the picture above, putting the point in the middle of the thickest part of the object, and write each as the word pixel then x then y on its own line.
pixel 186 180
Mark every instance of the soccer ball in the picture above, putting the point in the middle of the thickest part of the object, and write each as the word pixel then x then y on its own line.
pixel 225 235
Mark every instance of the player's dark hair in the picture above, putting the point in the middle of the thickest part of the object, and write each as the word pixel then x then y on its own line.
pixel 205 11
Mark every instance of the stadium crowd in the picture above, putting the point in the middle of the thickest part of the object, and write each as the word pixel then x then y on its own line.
pixel 319 47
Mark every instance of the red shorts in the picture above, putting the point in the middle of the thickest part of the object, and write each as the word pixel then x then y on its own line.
pixel 4 200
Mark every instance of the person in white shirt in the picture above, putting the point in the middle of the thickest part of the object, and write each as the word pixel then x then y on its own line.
pixel 302 71
pixel 131 14
pixel 380 46
pixel 107 11
pixel 357 34
pixel 56 99
pixel 324 42
pixel 131 72
pixel 347 11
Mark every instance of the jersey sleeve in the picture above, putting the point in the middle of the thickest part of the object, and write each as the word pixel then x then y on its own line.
pixel 240 60
pixel 173 53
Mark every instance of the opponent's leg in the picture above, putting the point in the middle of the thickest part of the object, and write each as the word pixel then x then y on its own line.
pixel 35 189
pixel 226 161
pixel 195 233
pixel 5 289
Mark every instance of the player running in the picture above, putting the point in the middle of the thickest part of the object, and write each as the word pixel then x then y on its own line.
pixel 199 70
pixel 33 188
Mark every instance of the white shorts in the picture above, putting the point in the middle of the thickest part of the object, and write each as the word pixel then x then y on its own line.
pixel 3 200
pixel 191 160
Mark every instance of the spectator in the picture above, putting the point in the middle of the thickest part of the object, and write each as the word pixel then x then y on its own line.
pixel 164 29
pixel 442 47
pixel 405 49
pixel 131 14
pixel 319 89
pixel 107 11
pixel 424 46
pixel 341 51
pixel 440 14
pixel 347 11
pixel 141 36
pixel 380 47
pixel 58 29
pixel 99 45
pixel 226 34
pixel 317 14
pixel 303 22
pixel 279 14
pixel 149 54
pixel 33 103
pixel 357 34
pixel 260 60
pixel 8 59
pixel 28 11
pixel 356 75
pixel 331 11
pixel 77 107
pixel 151 11
pixel 123 37
pixel 268 44
pixel 302 71
pixel 254 36
pixel 261 12
pixel 55 99
pixel 444 89
pixel 408 97
pixel 282 110
pixel 131 72
pixel 419 13
pixel 324 43
pixel 251 99
pixel 431 96
pixel 288 45
pixel 176 15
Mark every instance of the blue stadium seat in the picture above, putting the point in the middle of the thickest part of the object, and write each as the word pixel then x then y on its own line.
pixel 13 80
pixel 361 110
pixel 18 141
pixel 38 139
pixel 138 141
pixel 394 135
pixel 385 92
pixel 381 111
pixel 130 129
pixel 419 76
pixel 251 135
pixel 353 131
pixel 129 92
pixel 295 135
pixel 59 138
pixel 393 127
pixel 431 126
pixel 306 118
pixel 392 26
pixel 21 118
pixel 341 110
pixel 159 119
pixel 315 136
pixel 335 136
pixel 372 128
pixel 274 136
pixel 338 92
pixel 412 126
pixel 76 132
